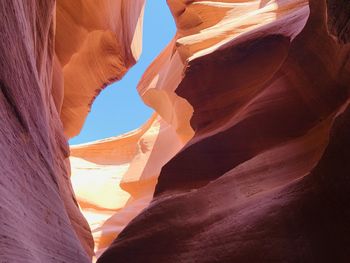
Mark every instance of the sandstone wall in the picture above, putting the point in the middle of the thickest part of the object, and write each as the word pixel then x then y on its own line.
pixel 245 159
pixel 40 219
pixel 261 180
pixel 55 57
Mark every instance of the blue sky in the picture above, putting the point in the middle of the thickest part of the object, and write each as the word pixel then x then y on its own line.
pixel 118 108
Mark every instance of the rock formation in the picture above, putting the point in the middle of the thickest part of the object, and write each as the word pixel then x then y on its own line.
pixel 266 80
pixel 246 158
pixel 54 59
pixel 114 179
pixel 40 220
pixel 96 43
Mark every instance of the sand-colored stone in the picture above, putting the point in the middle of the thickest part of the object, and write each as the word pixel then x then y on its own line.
pixel 114 179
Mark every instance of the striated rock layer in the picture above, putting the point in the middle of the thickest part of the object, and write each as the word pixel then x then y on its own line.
pixel 264 85
pixel 54 59
pixel 40 219
pixel 245 160
pixel 96 43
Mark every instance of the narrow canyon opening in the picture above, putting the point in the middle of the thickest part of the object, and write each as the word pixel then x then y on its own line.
pixel 118 108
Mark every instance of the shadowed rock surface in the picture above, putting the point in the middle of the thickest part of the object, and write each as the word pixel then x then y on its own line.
pixel 262 179
pixel 54 59
pixel 246 158
pixel 40 218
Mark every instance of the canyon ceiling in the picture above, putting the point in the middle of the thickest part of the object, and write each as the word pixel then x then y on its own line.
pixel 246 158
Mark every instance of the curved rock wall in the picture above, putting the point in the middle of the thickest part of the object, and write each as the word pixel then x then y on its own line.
pixel 265 81
pixel 114 179
pixel 55 57
pixel 96 43
pixel 245 159
pixel 40 219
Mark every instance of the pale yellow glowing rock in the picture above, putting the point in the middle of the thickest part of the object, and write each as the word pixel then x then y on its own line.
pixel 157 89
pixel 114 179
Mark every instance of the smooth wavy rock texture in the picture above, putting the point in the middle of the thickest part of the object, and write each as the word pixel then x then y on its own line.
pixel 40 219
pixel 96 43
pixel 55 57
pixel 114 179
pixel 261 179
pixel 246 158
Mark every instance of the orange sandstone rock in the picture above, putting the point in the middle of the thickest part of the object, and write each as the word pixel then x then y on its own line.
pixel 96 43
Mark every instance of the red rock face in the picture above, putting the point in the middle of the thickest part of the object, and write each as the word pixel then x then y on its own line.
pixel 304 220
pixel 262 179
pixel 245 160
pixel 54 59
pixel 40 219
pixel 266 91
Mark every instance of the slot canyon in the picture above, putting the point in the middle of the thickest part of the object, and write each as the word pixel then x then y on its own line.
pixel 246 158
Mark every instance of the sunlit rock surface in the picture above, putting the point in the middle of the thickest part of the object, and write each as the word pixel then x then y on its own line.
pixel 96 43
pixel 264 84
pixel 246 158
pixel 114 179
pixel 55 57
